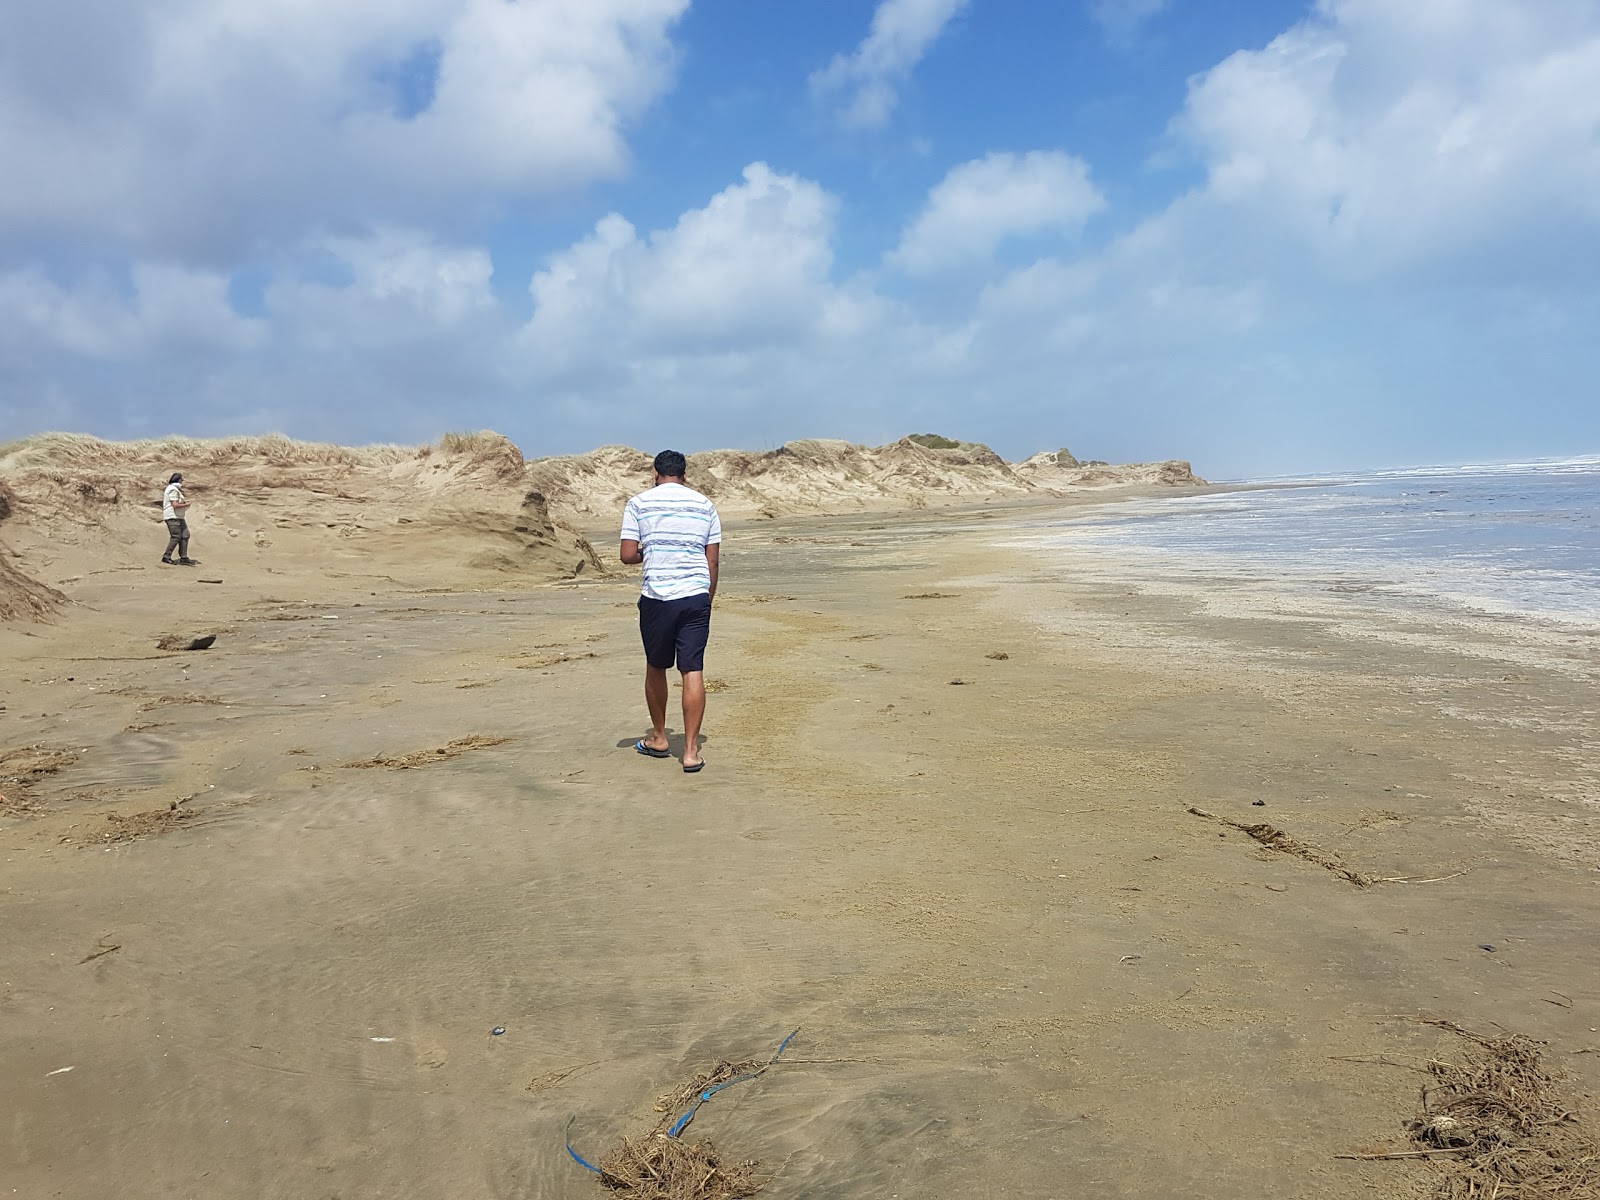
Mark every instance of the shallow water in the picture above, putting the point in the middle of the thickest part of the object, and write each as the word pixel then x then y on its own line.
pixel 1518 539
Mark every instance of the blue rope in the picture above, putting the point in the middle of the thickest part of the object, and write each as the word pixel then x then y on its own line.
pixel 677 1127
pixel 575 1155
pixel 688 1116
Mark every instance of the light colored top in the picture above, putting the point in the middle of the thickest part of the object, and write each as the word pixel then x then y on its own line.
pixel 173 505
pixel 673 525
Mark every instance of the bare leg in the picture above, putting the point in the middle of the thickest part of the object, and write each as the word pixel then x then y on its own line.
pixel 655 695
pixel 694 711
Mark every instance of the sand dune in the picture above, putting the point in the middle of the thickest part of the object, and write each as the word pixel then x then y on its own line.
pixel 460 509
pixel 467 511
pixel 825 476
pixel 20 596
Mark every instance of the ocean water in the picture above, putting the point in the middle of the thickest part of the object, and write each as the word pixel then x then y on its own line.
pixel 1520 538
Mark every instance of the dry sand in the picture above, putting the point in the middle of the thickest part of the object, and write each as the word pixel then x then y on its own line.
pixel 263 904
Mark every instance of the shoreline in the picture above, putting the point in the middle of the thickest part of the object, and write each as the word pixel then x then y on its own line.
pixel 943 829
pixel 1269 551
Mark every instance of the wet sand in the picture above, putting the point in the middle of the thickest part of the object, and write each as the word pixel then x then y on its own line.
pixel 1019 965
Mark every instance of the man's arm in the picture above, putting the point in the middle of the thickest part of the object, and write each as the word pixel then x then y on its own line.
pixel 632 554
pixel 713 558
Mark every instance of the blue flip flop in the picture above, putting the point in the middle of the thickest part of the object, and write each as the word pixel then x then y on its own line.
pixel 651 751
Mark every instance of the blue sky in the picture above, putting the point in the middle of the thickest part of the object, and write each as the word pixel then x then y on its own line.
pixel 1266 236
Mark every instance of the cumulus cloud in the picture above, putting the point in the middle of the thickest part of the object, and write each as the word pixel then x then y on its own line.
pixel 865 83
pixel 441 284
pixel 164 308
pixel 1392 200
pixel 750 267
pixel 980 203
pixel 1383 137
pixel 202 129
pixel 396 295
pixel 1121 20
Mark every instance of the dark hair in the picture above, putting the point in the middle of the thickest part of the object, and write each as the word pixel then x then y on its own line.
pixel 177 477
pixel 671 465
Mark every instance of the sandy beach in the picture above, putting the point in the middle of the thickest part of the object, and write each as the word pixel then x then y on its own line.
pixel 263 905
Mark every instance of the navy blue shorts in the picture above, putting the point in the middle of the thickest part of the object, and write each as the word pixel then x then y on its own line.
pixel 675 629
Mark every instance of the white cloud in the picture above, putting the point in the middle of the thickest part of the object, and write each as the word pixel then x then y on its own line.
pixel 165 309
pixel 204 128
pixel 1396 202
pixel 1121 20
pixel 442 284
pixel 1386 136
pixel 981 203
pixel 750 267
pixel 865 84
pixel 398 295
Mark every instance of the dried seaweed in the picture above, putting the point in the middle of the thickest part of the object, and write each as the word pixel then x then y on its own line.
pixel 659 1167
pixel 1274 838
pixel 686 1092
pixel 1494 1126
pixel 663 1166
pixel 421 758
pixel 1500 1108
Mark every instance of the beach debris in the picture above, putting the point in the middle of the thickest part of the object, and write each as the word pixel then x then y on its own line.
pixel 26 765
pixel 1496 1124
pixel 1130 958
pixel 103 947
pixel 1275 839
pixel 930 596
pixel 380 1039
pixel 997 655
pixel 1486 946
pixel 958 683
pixel 661 1166
pixel 59 1071
pixel 497 1031
pixel 1259 803
pixel 23 768
pixel 421 758
pixel 130 827
pixel 186 641
pixel 153 700
pixel 535 663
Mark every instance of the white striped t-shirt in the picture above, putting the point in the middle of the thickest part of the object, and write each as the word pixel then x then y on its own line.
pixel 673 525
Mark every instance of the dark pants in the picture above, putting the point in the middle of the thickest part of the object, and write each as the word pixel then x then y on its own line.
pixel 675 629
pixel 179 529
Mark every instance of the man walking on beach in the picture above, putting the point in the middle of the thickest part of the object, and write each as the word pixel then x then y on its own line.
pixel 173 510
pixel 674 531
